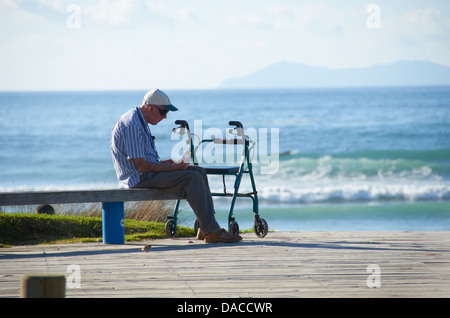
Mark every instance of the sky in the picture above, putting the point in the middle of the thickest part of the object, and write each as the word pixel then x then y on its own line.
pixel 197 44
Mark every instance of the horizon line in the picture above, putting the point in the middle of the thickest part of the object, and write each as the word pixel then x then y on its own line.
pixel 215 89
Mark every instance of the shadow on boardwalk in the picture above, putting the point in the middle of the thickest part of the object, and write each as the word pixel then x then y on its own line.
pixel 157 247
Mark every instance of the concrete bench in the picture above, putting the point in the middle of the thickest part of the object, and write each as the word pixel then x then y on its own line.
pixel 112 204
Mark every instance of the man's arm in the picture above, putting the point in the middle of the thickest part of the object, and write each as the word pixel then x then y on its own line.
pixel 143 165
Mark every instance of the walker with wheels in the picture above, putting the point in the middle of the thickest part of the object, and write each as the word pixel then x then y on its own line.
pixel 245 168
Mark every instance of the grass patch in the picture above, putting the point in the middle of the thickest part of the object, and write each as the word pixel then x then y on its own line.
pixel 31 229
pixel 156 211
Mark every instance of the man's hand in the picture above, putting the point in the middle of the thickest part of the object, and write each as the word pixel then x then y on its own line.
pixel 180 166
pixel 175 165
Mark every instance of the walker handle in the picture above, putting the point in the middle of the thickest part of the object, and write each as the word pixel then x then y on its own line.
pixel 236 123
pixel 183 123
pixel 239 128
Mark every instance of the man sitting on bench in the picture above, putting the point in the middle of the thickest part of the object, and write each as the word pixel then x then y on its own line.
pixel 138 165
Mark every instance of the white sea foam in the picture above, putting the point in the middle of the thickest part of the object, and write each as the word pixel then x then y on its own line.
pixel 362 191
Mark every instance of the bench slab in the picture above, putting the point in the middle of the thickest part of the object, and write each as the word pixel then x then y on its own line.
pixel 82 196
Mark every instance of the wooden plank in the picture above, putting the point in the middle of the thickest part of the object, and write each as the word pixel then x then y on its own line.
pixel 82 196
pixel 283 264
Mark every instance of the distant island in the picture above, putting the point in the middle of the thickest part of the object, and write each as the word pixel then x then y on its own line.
pixel 295 75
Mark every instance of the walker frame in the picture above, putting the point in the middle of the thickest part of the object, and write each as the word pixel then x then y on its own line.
pixel 245 168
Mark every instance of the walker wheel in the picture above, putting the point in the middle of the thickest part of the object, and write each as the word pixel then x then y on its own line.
pixel 233 228
pixel 170 228
pixel 261 228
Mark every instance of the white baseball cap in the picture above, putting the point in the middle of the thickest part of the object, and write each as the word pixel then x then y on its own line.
pixel 159 98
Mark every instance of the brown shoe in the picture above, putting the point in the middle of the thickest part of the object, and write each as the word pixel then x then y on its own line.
pixel 222 236
pixel 200 235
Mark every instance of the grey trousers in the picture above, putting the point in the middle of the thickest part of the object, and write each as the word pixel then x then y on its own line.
pixel 192 185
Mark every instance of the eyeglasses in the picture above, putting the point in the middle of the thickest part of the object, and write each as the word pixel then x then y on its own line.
pixel 162 112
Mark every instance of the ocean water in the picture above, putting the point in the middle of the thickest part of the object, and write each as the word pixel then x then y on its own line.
pixel 342 159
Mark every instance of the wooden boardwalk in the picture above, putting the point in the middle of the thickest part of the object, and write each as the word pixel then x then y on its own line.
pixel 284 264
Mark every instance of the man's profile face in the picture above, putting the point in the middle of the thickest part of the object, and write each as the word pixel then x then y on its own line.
pixel 153 114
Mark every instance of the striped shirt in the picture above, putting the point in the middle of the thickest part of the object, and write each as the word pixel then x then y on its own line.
pixel 131 138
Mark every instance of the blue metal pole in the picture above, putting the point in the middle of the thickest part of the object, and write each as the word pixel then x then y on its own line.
pixel 113 223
